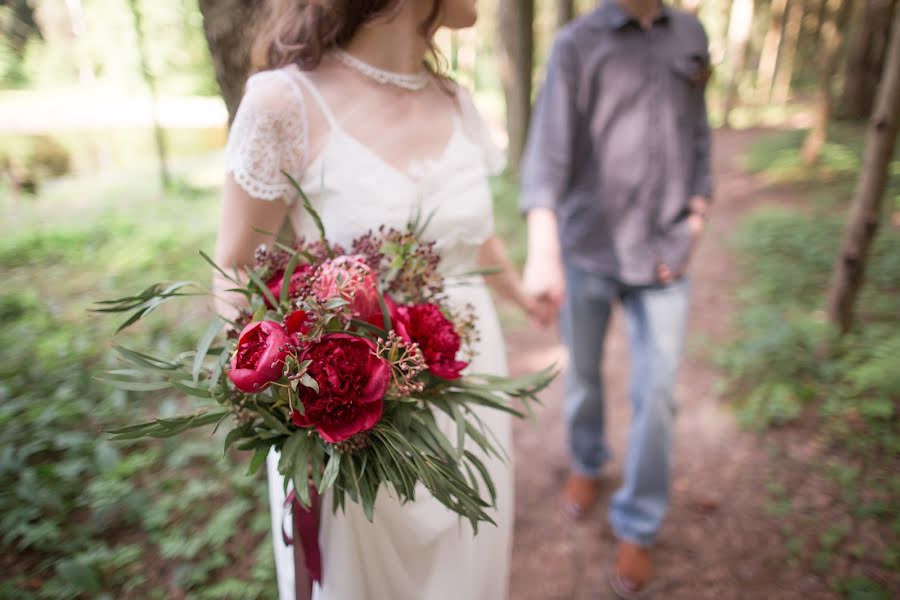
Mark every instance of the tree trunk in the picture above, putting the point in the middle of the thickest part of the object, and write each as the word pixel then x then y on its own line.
pixel 785 72
pixel 865 212
pixel 565 12
pixel 517 35
pixel 866 58
pixel 739 25
pixel 85 64
pixel 768 59
pixel 821 17
pixel 158 136
pixel 832 35
pixel 230 27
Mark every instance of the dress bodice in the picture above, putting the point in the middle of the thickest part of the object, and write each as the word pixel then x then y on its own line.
pixel 355 190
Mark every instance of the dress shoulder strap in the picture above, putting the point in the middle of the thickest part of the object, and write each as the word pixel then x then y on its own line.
pixel 313 91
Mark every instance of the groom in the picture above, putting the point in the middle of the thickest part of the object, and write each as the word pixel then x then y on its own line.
pixel 616 186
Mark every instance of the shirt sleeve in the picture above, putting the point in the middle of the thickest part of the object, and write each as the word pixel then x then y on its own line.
pixel 268 139
pixel 546 164
pixel 701 179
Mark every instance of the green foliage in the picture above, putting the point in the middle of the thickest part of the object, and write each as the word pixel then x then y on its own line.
pixel 786 354
pixel 862 588
pixel 778 158
pixel 786 362
pixel 84 515
pixel 107 47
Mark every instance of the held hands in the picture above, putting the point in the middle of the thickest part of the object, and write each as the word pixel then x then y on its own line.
pixel 544 289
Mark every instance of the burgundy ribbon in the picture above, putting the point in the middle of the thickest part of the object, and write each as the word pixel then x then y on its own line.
pixel 307 555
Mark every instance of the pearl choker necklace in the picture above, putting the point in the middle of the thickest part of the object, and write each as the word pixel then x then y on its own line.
pixel 413 82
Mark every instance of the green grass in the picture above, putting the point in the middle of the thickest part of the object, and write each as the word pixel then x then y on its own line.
pixel 78 514
pixel 787 367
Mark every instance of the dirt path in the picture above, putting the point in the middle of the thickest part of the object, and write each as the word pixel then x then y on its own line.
pixel 717 541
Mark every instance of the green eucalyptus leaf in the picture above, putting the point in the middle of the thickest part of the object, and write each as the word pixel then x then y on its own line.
pixel 203 347
pixel 259 457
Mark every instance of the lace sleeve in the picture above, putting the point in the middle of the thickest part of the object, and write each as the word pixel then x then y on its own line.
pixel 269 135
pixel 477 129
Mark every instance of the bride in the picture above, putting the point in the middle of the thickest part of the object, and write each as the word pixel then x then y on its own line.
pixel 348 103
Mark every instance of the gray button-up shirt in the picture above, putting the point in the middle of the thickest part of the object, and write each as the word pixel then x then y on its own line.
pixel 620 141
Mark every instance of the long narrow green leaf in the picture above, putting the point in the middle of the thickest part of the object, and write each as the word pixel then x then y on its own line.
pixel 233 436
pixel 286 278
pixel 145 360
pixel 272 421
pixel 136 386
pixel 259 457
pixel 309 209
pixel 203 347
pixel 263 288
pixel 218 268
pixel 331 471
pixel 460 429
pixel 191 390
pixel 485 475
pixel 301 468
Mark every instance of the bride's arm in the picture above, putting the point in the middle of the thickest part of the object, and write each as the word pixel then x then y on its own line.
pixel 238 239
pixel 268 138
pixel 507 283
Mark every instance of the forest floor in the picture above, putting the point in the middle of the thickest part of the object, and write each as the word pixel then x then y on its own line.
pixel 718 541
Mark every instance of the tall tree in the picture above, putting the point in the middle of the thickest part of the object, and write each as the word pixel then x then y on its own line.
pixel 785 72
pixel 76 19
pixel 865 57
pixel 231 27
pixel 517 35
pixel 768 58
pixel 866 210
pixel 739 24
pixel 158 136
pixel 565 12
pixel 821 15
pixel 832 34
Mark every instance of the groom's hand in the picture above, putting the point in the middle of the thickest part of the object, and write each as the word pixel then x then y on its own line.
pixel 545 282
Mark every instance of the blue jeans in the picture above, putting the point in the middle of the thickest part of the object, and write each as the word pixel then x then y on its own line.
pixel 656 318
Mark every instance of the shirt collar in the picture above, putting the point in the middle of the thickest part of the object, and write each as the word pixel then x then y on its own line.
pixel 612 15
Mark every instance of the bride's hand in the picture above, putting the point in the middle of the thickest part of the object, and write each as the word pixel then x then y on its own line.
pixel 541 312
pixel 544 281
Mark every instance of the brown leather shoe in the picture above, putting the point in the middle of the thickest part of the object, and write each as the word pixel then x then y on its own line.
pixel 580 495
pixel 633 571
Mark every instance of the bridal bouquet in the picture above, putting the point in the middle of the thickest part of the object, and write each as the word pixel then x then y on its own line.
pixel 345 360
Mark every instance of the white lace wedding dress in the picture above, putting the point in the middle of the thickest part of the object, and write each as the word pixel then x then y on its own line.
pixel 417 551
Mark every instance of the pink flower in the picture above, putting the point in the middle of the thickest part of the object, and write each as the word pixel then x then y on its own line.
pixel 259 359
pixel 350 278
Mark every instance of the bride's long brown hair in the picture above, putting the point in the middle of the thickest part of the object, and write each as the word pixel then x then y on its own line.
pixel 301 31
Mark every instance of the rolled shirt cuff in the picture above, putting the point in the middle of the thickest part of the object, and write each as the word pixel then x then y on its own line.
pixel 539 198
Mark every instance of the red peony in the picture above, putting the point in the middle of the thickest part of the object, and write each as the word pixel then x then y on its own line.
pixel 352 382
pixel 426 325
pixel 277 280
pixel 259 359
pixel 297 322
pixel 350 277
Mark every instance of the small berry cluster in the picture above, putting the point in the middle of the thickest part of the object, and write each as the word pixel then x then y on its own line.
pixel 407 362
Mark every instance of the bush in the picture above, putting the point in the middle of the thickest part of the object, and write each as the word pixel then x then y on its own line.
pixel 81 515
pixel 786 354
